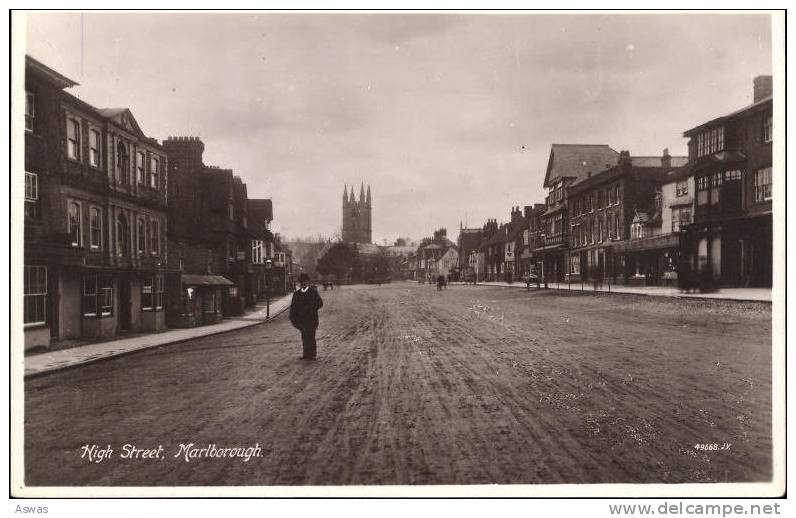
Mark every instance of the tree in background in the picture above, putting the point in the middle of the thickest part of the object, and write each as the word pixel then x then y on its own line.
pixel 339 260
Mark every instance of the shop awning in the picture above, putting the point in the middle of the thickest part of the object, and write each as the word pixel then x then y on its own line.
pixel 550 248
pixel 649 243
pixel 205 280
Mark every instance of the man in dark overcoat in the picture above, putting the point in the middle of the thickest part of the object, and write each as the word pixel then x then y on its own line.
pixel 304 314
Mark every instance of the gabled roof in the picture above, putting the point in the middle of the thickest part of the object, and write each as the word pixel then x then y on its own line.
pixel 576 160
pixel 59 80
pixel 124 118
pixel 759 105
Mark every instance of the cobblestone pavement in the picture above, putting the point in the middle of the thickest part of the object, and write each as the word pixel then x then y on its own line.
pixel 418 386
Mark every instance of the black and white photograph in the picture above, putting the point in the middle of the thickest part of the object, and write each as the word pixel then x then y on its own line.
pixel 405 253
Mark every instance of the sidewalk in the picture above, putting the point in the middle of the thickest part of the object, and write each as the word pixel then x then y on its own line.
pixel 47 362
pixel 738 294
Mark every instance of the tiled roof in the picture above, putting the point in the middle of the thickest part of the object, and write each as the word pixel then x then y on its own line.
pixel 576 160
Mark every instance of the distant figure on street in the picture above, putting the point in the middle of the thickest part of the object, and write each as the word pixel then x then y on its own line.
pixel 684 280
pixel 440 282
pixel 304 315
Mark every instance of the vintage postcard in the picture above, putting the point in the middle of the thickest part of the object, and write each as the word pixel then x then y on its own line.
pixel 398 253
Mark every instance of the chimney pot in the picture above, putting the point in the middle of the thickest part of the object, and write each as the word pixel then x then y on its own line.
pixel 763 87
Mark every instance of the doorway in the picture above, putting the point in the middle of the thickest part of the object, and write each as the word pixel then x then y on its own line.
pixel 124 305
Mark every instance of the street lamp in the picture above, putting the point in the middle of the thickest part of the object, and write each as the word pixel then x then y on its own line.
pixel 268 264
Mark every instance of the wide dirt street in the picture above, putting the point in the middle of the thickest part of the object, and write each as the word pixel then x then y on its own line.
pixel 415 386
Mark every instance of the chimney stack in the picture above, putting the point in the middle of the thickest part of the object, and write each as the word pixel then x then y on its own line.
pixel 666 159
pixel 624 158
pixel 763 87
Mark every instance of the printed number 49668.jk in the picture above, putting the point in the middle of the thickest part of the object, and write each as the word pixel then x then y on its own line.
pixel 712 446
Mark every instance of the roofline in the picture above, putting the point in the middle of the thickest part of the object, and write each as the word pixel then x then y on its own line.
pixel 731 115
pixel 56 77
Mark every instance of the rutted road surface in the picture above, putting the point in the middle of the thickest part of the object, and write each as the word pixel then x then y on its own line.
pixel 415 386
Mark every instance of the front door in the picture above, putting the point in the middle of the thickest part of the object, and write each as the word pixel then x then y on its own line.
pixel 124 305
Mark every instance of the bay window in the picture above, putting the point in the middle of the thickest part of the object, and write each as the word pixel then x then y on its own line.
pixel 762 184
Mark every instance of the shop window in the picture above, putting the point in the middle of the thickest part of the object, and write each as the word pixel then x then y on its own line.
pixel 31 195
pixel 35 295
pixel 30 111
pixel 209 302
pixel 575 265
pixel 73 138
pixel 763 184
pixel 95 224
pixel 97 296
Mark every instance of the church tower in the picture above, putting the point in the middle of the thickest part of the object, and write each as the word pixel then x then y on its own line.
pixel 357 216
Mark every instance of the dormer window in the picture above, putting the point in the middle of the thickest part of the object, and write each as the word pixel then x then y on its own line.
pixel 710 141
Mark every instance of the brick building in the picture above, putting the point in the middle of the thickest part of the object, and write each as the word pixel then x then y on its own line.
pixel 208 235
pixel 730 158
pixel 568 164
pixel 260 215
pixel 95 217
pixel 602 210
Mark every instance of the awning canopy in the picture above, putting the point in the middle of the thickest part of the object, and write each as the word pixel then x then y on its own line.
pixel 205 280
pixel 649 243
pixel 550 248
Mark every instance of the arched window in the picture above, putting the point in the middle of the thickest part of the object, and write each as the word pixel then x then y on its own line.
pixel 122 236
pixel 123 162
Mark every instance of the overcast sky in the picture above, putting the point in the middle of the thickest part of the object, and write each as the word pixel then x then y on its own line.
pixel 448 117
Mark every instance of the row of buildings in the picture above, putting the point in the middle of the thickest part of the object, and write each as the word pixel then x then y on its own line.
pixel 125 234
pixel 613 217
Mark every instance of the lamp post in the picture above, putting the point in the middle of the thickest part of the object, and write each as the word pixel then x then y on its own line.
pixel 268 264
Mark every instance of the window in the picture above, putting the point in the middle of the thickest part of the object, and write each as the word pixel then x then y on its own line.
pixel 209 303
pixel 31 195
pixel 680 217
pixel 139 167
pixel 94 147
pixel 682 187
pixel 616 194
pixel 95 224
pixel 702 185
pixel 123 162
pixel 155 178
pixel 122 236
pixel 141 236
pixel 763 184
pixel 257 252
pixel 730 176
pixel 155 237
pixel 97 296
pixel 767 129
pixel 710 141
pixel 715 186
pixel 35 295
pixel 73 139
pixel 152 293
pixel 74 224
pixel 30 110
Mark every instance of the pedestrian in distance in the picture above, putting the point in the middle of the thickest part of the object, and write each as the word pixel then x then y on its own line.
pixel 304 315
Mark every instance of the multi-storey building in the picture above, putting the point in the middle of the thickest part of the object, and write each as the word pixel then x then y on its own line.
pixel 95 217
pixel 568 164
pixel 730 158
pixel 530 239
pixel 467 242
pixel 208 236
pixel 602 209
pixel 262 246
